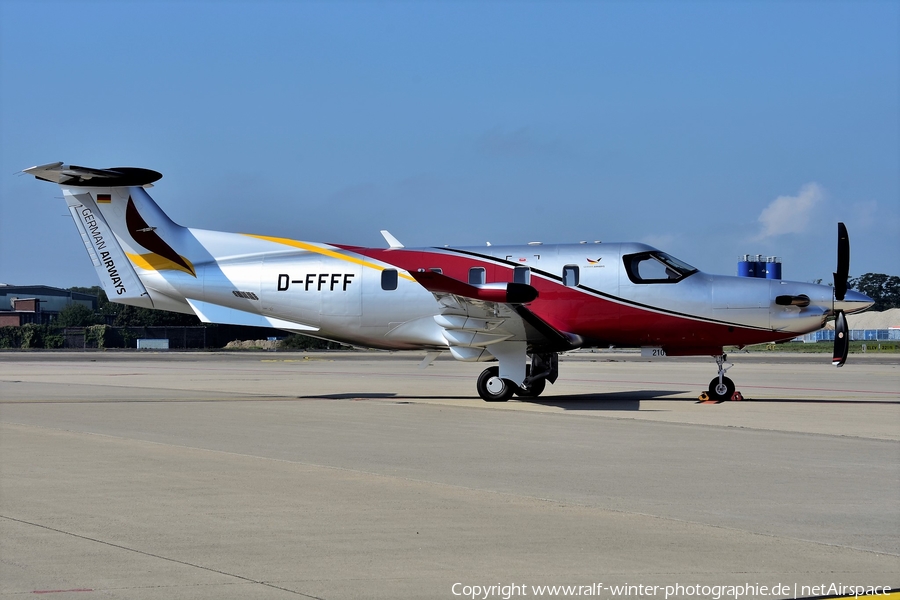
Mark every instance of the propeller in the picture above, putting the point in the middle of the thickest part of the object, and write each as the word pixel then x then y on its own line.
pixel 841 331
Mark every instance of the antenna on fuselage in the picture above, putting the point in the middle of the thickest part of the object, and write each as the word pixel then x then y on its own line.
pixel 391 240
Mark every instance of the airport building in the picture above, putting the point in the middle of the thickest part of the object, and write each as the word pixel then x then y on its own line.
pixel 870 326
pixel 856 335
pixel 22 304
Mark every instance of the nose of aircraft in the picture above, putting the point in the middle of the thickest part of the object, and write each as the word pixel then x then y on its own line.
pixel 853 302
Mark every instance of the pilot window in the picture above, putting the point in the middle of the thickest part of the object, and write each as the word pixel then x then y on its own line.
pixel 389 279
pixel 570 276
pixel 437 270
pixel 656 267
pixel 522 275
pixel 476 276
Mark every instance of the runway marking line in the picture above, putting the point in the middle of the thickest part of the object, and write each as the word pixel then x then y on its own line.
pixel 152 555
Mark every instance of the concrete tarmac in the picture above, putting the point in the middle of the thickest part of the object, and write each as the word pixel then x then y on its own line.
pixel 360 475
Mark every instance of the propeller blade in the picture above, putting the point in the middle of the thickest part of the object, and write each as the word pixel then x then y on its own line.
pixel 843 263
pixel 841 340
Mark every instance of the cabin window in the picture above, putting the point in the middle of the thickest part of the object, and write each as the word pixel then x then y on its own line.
pixel 476 276
pixel 656 267
pixel 389 279
pixel 522 275
pixel 570 275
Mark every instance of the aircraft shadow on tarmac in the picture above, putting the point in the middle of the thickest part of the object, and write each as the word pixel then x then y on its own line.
pixel 628 400
pixel 379 396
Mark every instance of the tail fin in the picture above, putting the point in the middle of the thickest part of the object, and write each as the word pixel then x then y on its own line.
pixel 120 224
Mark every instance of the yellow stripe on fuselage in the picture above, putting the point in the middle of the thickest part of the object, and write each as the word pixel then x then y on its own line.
pixel 324 251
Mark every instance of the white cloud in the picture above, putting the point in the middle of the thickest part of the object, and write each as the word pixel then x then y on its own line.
pixel 790 214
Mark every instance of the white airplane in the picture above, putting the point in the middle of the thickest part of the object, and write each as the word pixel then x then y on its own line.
pixel 517 305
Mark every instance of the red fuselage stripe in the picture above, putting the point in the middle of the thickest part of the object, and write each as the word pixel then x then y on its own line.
pixel 600 318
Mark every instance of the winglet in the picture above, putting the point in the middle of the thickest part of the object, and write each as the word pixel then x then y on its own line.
pixel 391 240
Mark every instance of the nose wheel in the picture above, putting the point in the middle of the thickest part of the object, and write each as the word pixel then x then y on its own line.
pixel 721 387
pixel 721 390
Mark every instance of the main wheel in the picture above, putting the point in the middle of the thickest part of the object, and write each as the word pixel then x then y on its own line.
pixel 492 388
pixel 721 391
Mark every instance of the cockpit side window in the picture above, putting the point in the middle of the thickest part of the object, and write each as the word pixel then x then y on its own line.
pixel 656 267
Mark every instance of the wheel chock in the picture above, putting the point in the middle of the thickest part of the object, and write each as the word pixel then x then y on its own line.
pixel 737 397
pixel 705 398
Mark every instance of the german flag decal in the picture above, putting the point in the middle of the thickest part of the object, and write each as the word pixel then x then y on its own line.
pixel 104 199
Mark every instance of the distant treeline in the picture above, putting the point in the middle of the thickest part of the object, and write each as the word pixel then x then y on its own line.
pixel 883 289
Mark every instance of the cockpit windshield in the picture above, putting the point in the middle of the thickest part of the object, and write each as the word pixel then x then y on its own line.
pixel 656 267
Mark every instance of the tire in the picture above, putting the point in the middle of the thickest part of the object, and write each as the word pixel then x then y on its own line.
pixel 492 388
pixel 722 392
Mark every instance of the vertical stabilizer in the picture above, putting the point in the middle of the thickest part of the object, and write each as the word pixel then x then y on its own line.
pixel 123 229
pixel 117 275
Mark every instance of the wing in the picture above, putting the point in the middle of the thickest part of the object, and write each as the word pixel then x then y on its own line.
pixel 474 317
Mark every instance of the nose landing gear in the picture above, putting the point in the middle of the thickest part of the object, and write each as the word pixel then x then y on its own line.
pixel 721 387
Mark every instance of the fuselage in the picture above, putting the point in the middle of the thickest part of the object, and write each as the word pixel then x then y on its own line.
pixel 620 294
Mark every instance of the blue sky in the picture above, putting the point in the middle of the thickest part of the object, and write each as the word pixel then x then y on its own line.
pixel 708 129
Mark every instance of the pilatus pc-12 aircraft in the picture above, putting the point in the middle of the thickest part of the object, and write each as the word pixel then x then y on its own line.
pixel 517 305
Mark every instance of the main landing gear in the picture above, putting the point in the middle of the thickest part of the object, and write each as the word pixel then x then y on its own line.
pixel 492 388
pixel 721 387
pixel 543 368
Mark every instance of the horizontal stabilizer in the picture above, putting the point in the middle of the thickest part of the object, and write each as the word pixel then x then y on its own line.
pixel 215 313
pixel 87 177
